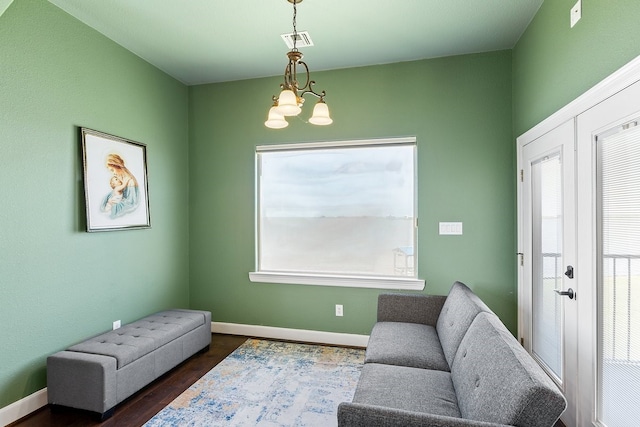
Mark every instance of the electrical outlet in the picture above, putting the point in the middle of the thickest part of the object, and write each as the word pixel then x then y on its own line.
pixel 339 310
pixel 576 13
pixel 116 325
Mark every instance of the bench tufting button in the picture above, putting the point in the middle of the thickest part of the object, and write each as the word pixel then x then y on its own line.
pixel 478 382
pixel 464 354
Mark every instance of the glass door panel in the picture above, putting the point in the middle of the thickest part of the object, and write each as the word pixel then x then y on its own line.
pixel 547 263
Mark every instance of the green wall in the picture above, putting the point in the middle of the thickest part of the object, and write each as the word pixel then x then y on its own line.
pixel 553 64
pixel 59 284
pixel 459 108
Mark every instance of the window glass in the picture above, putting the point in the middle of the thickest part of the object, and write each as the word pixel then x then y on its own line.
pixel 337 209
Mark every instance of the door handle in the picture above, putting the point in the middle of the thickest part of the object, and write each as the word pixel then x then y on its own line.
pixel 569 272
pixel 568 293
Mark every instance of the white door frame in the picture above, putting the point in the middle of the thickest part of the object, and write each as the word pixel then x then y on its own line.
pixel 619 80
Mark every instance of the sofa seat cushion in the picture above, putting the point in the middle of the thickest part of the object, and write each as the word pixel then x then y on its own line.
pixel 408 389
pixel 458 311
pixel 139 338
pixel 406 344
pixel 497 381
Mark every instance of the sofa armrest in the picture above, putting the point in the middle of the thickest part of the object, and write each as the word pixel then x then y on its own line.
pixel 362 415
pixel 410 308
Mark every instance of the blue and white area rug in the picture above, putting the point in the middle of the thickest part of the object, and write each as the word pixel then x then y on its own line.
pixel 269 384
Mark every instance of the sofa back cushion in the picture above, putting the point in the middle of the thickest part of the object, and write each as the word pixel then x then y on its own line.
pixel 410 308
pixel 458 311
pixel 497 381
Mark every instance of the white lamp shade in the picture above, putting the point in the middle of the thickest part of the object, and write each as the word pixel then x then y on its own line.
pixel 321 115
pixel 275 120
pixel 288 103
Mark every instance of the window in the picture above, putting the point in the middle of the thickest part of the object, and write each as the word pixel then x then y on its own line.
pixel 337 214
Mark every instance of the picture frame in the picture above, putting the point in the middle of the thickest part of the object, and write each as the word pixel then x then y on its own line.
pixel 115 182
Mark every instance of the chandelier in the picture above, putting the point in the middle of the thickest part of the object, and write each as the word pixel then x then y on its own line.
pixel 290 101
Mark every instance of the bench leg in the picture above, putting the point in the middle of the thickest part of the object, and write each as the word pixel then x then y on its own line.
pixel 97 416
pixel 105 415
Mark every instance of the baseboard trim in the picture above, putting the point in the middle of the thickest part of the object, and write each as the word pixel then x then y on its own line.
pixel 319 337
pixel 23 407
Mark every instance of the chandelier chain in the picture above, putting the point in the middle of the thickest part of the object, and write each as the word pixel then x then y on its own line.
pixel 295 31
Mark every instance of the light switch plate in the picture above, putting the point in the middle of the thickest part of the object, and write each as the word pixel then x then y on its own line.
pixel 450 228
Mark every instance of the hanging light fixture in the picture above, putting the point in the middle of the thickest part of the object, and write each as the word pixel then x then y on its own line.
pixel 291 98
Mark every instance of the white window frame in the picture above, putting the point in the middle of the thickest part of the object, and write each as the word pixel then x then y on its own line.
pixel 355 281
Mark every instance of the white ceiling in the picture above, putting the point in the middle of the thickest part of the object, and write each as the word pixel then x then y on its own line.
pixel 4 4
pixel 205 41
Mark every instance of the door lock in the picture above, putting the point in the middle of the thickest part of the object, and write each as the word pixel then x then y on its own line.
pixel 569 272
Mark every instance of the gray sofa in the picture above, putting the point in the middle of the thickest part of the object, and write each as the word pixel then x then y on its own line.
pixel 448 361
pixel 97 374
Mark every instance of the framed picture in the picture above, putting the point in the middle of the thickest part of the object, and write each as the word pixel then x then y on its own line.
pixel 115 182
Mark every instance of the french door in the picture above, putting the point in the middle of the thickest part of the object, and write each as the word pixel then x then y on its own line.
pixel 548 283
pixel 608 137
pixel 579 235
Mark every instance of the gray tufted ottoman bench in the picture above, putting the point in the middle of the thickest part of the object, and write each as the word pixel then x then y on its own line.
pixel 97 374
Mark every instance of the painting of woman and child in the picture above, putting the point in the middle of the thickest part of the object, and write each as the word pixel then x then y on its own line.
pixel 115 182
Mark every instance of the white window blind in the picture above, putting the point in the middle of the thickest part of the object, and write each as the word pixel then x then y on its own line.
pixel 339 213
pixel 619 276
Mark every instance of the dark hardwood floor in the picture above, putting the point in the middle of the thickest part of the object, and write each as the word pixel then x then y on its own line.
pixel 142 406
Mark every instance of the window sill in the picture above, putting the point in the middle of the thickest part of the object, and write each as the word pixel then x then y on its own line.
pixel 396 283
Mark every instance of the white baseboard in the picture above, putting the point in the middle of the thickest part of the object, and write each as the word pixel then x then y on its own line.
pixel 320 337
pixel 23 407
